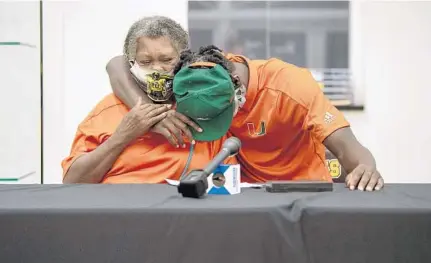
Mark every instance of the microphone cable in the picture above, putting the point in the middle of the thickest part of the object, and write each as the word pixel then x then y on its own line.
pixel 189 159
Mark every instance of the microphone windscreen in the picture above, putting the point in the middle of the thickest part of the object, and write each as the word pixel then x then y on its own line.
pixel 233 144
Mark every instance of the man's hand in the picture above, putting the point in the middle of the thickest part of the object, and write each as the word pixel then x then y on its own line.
pixel 364 177
pixel 174 126
pixel 140 119
pixel 355 159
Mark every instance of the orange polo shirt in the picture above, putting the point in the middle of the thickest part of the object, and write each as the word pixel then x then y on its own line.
pixel 150 159
pixel 283 123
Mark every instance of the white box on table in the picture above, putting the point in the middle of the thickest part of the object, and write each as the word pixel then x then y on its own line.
pixel 225 180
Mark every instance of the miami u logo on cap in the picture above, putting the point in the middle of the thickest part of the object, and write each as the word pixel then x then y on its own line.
pixel 252 129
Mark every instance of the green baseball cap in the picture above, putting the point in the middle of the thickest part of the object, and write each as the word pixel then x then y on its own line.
pixel 204 92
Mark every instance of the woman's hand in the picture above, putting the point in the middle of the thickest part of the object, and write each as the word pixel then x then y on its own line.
pixel 174 126
pixel 140 119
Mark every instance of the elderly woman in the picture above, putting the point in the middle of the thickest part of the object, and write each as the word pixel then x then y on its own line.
pixel 160 57
pixel 115 145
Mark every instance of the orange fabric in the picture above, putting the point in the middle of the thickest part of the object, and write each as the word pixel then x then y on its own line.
pixel 283 123
pixel 150 159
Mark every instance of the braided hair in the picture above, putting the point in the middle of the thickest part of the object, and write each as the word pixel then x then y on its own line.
pixel 205 54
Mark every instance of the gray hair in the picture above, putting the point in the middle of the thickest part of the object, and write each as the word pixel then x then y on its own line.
pixel 154 27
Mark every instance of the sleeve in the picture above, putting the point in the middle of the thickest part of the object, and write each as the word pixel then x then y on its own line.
pixel 86 140
pixel 323 118
pixel 320 117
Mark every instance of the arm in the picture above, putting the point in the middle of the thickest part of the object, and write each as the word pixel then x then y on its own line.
pixel 91 167
pixel 329 126
pixel 173 127
pixel 356 159
pixel 90 161
pixel 123 84
pixel 344 145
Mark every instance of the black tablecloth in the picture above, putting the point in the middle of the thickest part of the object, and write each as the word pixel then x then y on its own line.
pixel 152 223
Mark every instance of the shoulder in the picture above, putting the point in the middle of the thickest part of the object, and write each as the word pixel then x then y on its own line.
pixel 105 117
pixel 109 105
pixel 285 77
pixel 290 81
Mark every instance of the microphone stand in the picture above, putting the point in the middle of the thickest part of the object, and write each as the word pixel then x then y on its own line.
pixel 194 184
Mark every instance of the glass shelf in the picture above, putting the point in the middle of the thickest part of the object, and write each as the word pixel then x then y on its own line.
pixel 16 178
pixel 15 43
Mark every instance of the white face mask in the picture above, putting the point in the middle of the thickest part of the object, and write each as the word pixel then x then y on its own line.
pixel 158 85
pixel 140 73
pixel 239 98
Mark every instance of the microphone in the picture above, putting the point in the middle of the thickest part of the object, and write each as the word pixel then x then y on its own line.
pixel 195 183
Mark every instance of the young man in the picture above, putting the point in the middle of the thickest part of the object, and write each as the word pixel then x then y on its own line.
pixel 284 122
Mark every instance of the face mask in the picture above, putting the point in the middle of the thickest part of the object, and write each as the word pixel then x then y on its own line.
pixel 239 98
pixel 158 85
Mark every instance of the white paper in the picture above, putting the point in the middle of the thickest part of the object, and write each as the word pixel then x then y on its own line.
pixel 172 182
pixel 248 185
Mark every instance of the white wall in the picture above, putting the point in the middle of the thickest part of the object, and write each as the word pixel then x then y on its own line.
pixel 389 56
pixel 79 39
pixel 20 85
pixel 394 53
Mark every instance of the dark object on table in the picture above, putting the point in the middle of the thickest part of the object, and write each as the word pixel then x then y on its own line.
pixel 298 186
pixel 195 183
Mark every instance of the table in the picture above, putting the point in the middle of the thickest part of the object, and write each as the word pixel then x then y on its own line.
pixel 152 223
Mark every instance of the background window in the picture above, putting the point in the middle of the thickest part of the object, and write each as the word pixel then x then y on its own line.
pixel 311 34
pixel 201 37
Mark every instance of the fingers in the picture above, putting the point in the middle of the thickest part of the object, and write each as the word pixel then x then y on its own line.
pixel 353 178
pixel 173 126
pixel 187 121
pixel 161 129
pixel 156 110
pixel 183 127
pixel 157 118
pixel 380 183
pixel 366 176
pixel 373 181
pixel 175 132
pixel 149 106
